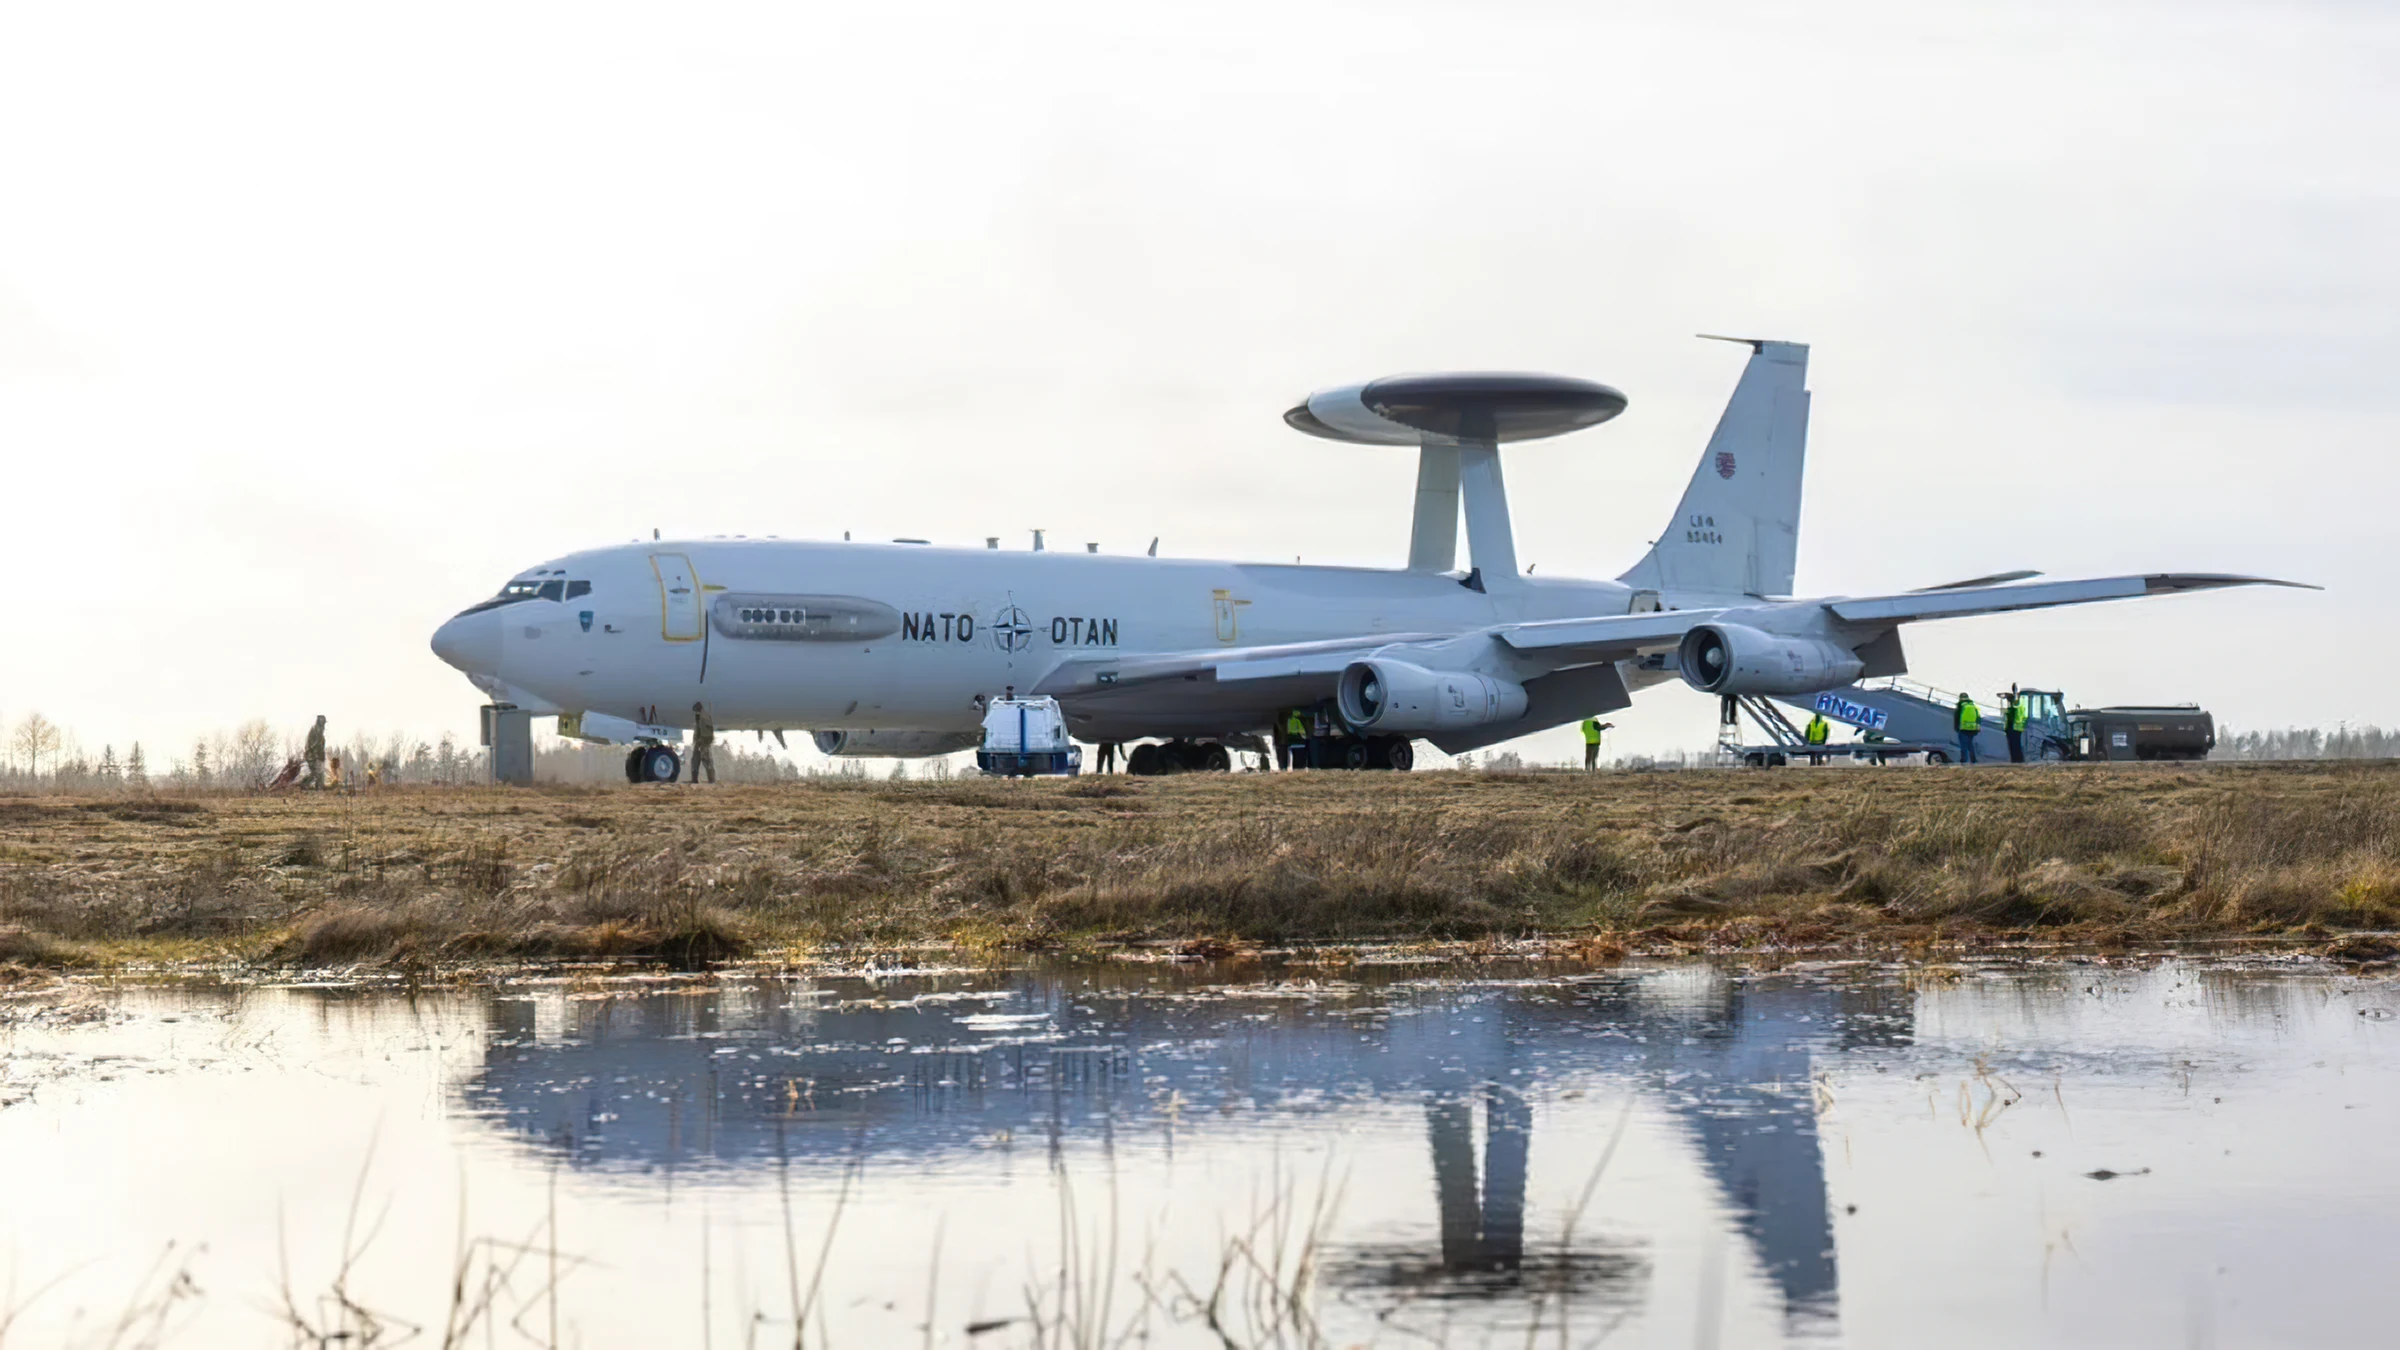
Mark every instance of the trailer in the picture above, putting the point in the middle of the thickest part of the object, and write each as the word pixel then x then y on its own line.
pixel 2179 731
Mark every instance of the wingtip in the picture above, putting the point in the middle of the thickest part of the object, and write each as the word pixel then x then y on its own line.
pixel 2203 581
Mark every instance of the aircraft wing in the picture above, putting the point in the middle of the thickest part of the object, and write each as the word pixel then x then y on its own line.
pixel 1568 664
pixel 1614 637
pixel 1099 675
pixel 1605 638
pixel 1311 664
pixel 1207 692
pixel 1921 605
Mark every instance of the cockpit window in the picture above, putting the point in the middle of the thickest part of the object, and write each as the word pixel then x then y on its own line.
pixel 528 588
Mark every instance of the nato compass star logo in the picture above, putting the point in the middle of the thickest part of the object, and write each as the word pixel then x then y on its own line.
pixel 1724 464
pixel 1012 630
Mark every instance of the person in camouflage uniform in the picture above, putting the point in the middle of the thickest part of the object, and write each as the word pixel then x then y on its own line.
pixel 704 744
pixel 314 755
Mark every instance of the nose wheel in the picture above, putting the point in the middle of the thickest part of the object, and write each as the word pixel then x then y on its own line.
pixel 652 764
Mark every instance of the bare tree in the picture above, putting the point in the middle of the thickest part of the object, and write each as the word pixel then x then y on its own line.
pixel 137 773
pixel 253 756
pixel 36 738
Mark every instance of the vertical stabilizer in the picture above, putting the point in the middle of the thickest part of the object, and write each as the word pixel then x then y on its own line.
pixel 1737 531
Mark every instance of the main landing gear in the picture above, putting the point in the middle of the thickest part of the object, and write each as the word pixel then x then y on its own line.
pixel 1149 760
pixel 1355 752
pixel 652 764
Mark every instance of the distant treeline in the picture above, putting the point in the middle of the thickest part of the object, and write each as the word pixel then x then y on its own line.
pixel 2343 742
pixel 38 755
pixel 41 755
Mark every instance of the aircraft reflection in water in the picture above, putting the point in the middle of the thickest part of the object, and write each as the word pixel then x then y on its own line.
pixel 914 1069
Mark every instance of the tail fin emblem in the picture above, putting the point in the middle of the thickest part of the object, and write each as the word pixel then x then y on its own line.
pixel 1724 464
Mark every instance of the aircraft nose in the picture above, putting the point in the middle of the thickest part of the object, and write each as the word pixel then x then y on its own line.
pixel 471 642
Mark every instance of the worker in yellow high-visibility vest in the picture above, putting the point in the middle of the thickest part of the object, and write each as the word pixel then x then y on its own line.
pixel 1968 719
pixel 1592 729
pixel 2012 720
pixel 1291 744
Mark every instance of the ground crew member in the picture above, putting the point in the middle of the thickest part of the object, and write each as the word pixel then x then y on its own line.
pixel 1592 727
pixel 314 753
pixel 1291 746
pixel 1819 731
pixel 1968 719
pixel 1108 757
pixel 1873 736
pixel 2013 719
pixel 704 744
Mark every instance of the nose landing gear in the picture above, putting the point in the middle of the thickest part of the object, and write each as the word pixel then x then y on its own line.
pixel 652 764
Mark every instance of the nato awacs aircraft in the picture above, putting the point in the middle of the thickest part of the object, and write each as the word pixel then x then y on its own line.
pixel 893 649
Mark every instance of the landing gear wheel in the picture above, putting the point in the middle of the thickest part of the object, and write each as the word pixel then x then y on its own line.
pixel 1399 754
pixel 1358 754
pixel 1936 757
pixel 633 765
pixel 1144 761
pixel 1776 761
pixel 660 765
pixel 1216 759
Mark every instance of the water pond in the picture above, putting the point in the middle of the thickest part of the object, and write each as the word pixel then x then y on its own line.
pixel 2095 1152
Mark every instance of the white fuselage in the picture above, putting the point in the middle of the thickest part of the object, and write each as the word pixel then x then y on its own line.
pixel 663 625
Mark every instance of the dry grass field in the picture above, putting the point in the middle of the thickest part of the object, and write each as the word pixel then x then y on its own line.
pixel 1777 860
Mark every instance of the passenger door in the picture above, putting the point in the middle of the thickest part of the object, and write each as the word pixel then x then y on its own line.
pixel 678 597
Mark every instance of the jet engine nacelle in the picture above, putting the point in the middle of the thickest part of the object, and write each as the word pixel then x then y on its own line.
pixel 893 744
pixel 1383 695
pixel 1732 658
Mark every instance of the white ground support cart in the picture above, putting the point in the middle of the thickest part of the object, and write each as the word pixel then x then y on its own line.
pixel 1023 737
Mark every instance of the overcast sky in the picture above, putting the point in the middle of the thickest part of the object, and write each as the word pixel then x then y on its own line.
pixel 318 321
